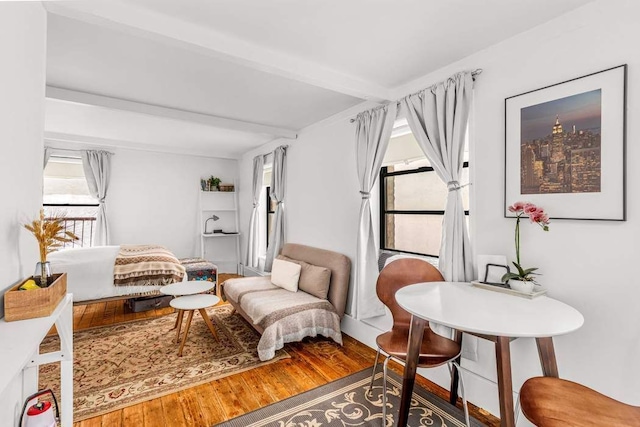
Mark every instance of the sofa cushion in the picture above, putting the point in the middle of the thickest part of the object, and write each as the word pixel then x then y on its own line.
pixel 285 274
pixel 314 280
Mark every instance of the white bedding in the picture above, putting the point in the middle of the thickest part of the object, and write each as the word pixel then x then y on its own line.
pixel 90 273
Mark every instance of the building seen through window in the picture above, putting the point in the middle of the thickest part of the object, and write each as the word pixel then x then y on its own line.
pixel 66 194
pixel 413 197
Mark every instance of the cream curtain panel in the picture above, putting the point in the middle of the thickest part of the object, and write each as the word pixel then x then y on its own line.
pixel 438 117
pixel 277 237
pixel 254 224
pixel 97 170
pixel 372 138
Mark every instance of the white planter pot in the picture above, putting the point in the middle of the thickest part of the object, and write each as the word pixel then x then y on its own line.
pixel 521 286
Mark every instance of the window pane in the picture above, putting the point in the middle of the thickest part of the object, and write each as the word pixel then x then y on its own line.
pixel 421 191
pixel 414 233
pixel 64 182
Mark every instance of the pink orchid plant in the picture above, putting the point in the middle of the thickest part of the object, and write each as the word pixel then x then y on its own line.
pixel 537 216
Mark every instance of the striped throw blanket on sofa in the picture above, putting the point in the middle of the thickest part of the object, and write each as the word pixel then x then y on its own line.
pixel 146 265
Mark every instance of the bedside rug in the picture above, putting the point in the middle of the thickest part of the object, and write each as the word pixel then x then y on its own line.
pixel 119 365
pixel 344 402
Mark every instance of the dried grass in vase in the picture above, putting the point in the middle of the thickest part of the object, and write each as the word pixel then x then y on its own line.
pixel 51 235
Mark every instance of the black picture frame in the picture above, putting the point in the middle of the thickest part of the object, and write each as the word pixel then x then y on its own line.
pixel 577 174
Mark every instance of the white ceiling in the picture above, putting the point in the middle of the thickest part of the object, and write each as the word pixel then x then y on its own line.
pixel 253 70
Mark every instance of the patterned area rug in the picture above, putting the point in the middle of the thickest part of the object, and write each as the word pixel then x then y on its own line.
pixel 345 402
pixel 120 365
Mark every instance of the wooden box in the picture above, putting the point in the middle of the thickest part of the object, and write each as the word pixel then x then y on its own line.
pixel 20 305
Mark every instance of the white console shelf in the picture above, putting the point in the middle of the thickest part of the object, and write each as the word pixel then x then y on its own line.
pixel 19 352
pixel 221 248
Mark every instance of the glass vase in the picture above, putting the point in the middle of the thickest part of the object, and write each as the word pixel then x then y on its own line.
pixel 42 275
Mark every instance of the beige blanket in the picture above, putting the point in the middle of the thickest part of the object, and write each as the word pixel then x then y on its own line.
pixel 146 265
pixel 285 316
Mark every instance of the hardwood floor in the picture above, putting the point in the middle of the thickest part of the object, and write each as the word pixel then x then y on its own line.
pixel 313 363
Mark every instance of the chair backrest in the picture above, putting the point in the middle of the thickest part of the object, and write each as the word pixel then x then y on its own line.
pixel 398 274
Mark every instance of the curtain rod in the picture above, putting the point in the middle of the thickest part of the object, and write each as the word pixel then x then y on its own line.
pixel 474 73
pixel 72 150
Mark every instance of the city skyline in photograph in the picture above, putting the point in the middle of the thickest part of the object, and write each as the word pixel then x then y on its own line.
pixel 560 146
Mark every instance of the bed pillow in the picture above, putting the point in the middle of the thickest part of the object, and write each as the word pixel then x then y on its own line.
pixel 314 280
pixel 285 274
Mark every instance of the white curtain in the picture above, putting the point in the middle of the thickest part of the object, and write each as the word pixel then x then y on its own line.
pixel 254 224
pixel 97 170
pixel 276 237
pixel 438 118
pixel 372 138
pixel 47 156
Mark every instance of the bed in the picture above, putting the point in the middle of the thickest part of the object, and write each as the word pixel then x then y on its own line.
pixel 90 272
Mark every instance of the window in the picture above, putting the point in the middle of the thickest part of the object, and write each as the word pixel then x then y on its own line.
pixel 271 210
pixel 413 198
pixel 66 194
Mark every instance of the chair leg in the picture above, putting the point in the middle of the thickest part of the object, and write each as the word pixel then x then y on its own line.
pixel 373 374
pixel 384 391
pixel 456 369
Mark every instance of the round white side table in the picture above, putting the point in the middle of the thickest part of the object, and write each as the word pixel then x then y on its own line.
pixel 191 287
pixel 192 303
pixel 187 288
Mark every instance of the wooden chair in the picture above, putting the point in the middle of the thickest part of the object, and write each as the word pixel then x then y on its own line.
pixel 435 350
pixel 553 402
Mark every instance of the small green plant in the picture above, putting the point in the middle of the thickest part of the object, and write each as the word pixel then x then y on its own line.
pixel 214 181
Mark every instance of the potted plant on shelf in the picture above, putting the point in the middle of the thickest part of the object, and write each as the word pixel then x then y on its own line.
pixel 524 279
pixel 213 183
pixel 51 235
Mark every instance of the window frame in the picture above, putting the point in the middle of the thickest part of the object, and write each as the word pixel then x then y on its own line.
pixel 384 173
pixel 269 211
pixel 74 219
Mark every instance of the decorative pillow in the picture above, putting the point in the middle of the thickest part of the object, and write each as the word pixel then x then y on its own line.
pixel 314 280
pixel 285 274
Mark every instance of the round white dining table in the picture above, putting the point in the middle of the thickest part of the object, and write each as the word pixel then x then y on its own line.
pixel 495 316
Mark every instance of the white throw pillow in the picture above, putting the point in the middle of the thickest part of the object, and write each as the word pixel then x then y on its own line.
pixel 285 274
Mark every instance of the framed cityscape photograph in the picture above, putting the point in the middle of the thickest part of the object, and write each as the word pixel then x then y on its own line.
pixel 565 147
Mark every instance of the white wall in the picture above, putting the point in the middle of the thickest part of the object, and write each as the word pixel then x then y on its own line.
pixel 22 83
pixel 153 198
pixel 321 197
pixel 587 264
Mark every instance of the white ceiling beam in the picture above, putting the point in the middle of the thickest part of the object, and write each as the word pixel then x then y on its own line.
pixel 138 21
pixel 65 141
pixel 85 98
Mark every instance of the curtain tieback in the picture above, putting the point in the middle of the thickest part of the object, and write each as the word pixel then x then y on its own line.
pixel 255 204
pixel 365 195
pixel 455 185
pixel 101 200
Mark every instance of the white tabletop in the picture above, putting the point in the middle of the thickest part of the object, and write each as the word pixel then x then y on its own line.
pixel 187 288
pixel 194 302
pixel 467 308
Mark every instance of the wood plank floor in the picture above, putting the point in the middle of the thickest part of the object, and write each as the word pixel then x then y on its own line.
pixel 313 363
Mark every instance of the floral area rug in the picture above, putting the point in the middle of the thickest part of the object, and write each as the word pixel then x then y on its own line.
pixel 345 402
pixel 123 364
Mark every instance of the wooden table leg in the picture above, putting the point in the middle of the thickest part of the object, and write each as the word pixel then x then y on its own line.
pixel 505 384
pixel 175 325
pixel 455 375
pixel 186 332
pixel 179 324
pixel 416 332
pixel 547 357
pixel 205 316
